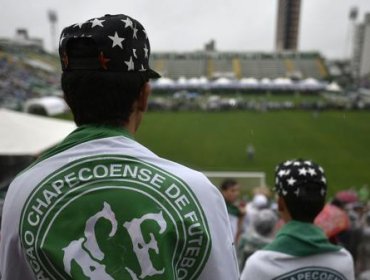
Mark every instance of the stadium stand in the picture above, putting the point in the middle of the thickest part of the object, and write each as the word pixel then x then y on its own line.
pixel 240 64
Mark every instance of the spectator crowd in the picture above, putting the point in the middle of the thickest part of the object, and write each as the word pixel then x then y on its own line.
pixel 345 220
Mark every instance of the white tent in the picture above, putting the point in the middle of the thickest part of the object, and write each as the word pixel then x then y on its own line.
pixel 249 81
pixel 51 105
pixel 311 82
pixel 282 81
pixel 333 86
pixel 163 81
pixel 182 81
pixel 222 81
pixel 25 134
pixel 194 81
pixel 266 83
pixel 203 80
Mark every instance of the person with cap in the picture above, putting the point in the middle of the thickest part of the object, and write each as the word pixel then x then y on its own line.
pixel 100 205
pixel 300 249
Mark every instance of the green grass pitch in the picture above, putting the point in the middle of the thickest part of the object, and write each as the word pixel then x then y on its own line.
pixel 217 141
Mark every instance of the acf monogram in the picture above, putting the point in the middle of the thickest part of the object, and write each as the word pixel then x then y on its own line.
pixel 114 217
pixel 95 270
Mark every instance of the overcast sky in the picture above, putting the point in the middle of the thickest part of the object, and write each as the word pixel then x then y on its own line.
pixel 186 25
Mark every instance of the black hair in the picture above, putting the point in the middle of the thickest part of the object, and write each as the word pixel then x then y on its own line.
pixel 227 184
pixel 95 96
pixel 307 205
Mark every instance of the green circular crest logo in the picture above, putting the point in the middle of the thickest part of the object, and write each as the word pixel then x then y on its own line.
pixel 312 273
pixel 114 217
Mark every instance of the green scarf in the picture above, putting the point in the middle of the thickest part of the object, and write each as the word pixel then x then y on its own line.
pixel 301 239
pixel 232 209
pixel 83 134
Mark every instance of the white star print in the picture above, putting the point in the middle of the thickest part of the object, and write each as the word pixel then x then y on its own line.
pixel 308 162
pixel 78 25
pixel 97 22
pixel 296 163
pixel 287 163
pixel 323 191
pixel 117 41
pixel 142 68
pixel 146 51
pixel 135 33
pixel 130 64
pixel 321 169
pixel 297 192
pixel 284 192
pixel 323 179
pixel 312 171
pixel 134 52
pixel 276 181
pixel 302 171
pixel 128 22
pixel 283 172
pixel 291 181
pixel 61 39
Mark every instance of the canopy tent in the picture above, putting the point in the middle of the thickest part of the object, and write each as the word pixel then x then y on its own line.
pixel 163 81
pixel 48 105
pixel 334 87
pixel 282 81
pixel 25 134
pixel 249 81
pixel 222 81
pixel 310 81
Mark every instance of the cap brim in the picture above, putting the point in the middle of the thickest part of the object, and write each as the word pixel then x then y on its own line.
pixel 152 74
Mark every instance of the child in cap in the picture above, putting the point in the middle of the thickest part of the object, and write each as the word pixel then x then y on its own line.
pixel 300 249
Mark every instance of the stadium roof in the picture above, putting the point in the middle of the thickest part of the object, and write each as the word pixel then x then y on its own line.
pixel 25 134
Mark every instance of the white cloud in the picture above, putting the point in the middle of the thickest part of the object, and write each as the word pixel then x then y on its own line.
pixel 246 25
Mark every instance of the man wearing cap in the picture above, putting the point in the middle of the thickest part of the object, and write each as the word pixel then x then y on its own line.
pixel 101 206
pixel 300 250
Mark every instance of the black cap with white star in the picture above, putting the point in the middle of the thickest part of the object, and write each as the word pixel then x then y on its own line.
pixel 294 177
pixel 121 42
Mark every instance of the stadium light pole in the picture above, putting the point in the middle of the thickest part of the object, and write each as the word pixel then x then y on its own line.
pixel 53 19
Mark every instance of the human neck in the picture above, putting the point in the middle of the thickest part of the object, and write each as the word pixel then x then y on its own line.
pixel 133 122
pixel 130 127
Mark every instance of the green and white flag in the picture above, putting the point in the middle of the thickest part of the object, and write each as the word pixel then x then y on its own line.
pixel 100 206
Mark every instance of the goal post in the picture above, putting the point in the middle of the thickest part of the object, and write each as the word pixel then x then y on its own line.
pixel 247 180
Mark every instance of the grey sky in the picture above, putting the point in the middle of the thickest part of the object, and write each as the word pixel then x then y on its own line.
pixel 174 25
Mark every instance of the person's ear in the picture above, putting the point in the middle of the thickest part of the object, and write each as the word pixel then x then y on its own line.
pixel 283 209
pixel 281 204
pixel 144 97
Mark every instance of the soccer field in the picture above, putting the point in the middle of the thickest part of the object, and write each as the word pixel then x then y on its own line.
pixel 339 141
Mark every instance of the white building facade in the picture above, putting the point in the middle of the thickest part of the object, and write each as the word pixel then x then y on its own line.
pixel 361 49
